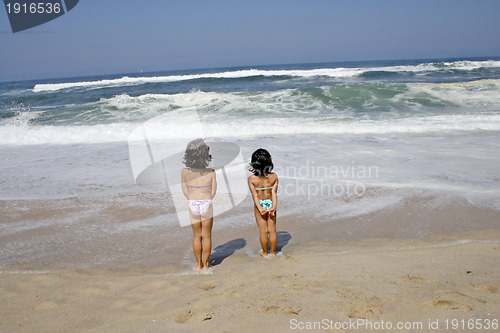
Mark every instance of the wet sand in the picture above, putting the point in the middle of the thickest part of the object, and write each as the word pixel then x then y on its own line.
pixel 445 276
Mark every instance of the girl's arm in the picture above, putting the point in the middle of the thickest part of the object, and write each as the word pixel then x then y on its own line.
pixel 214 184
pixel 274 197
pixel 255 198
pixel 184 186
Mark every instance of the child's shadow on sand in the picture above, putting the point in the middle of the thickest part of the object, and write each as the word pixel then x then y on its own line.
pixel 283 239
pixel 223 251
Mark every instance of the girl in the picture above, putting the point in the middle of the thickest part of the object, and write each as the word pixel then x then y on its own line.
pixel 199 186
pixel 263 186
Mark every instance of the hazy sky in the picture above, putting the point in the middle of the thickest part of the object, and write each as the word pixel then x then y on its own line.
pixel 105 37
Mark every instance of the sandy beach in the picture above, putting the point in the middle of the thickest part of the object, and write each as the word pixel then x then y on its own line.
pixel 441 280
pixel 121 124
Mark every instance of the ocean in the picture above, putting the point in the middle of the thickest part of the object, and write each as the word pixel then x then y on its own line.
pixel 379 149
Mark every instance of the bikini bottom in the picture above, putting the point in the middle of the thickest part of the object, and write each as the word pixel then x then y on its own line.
pixel 199 207
pixel 266 203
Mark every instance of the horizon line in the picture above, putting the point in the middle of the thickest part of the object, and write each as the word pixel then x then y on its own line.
pixel 249 67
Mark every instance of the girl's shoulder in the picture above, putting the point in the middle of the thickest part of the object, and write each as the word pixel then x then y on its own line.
pixel 257 181
pixel 253 178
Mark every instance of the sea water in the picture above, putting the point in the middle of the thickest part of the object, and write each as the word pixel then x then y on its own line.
pixel 347 140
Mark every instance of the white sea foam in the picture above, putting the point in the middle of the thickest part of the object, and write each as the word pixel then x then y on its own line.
pixel 412 248
pixel 192 271
pixel 339 72
pixel 126 81
pixel 25 272
pixel 482 94
pixel 119 132
pixel 36 135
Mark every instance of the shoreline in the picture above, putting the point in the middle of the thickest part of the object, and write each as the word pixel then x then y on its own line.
pixel 119 243
pixel 241 250
pixel 311 247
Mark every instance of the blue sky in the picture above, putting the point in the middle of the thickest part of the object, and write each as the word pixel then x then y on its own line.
pixel 106 37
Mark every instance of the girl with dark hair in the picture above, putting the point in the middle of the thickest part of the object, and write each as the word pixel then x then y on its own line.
pixel 263 185
pixel 199 186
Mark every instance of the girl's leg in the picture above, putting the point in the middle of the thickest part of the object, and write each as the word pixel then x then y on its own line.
pixel 263 231
pixel 273 237
pixel 206 236
pixel 197 231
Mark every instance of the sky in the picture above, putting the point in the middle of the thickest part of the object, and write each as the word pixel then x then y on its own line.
pixel 127 36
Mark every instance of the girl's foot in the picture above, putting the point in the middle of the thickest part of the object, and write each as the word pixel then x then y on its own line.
pixel 263 255
pixel 206 266
pixel 272 254
pixel 197 267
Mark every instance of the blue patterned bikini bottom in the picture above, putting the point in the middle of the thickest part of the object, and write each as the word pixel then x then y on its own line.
pixel 266 203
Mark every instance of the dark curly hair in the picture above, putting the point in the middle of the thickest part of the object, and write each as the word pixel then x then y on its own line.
pixel 197 154
pixel 261 163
